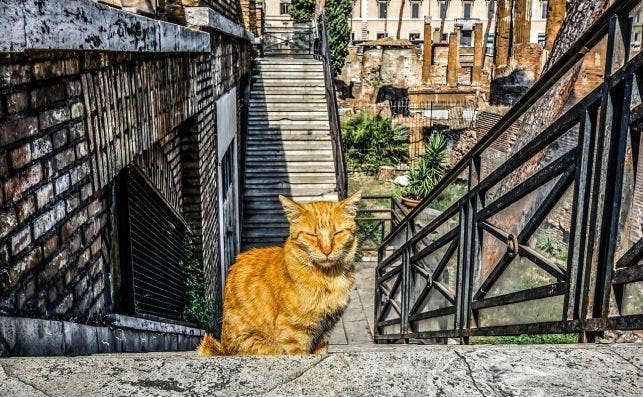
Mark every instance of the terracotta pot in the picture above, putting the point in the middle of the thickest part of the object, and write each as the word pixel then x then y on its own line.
pixel 409 202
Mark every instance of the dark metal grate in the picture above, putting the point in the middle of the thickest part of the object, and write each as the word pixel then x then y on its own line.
pixel 152 250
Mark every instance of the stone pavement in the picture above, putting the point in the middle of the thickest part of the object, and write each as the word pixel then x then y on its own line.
pixel 356 325
pixel 392 370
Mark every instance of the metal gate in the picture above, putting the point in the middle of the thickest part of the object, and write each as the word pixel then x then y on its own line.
pixel 151 238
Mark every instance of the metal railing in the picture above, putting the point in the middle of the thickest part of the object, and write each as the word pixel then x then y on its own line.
pixel 296 41
pixel 324 54
pixel 486 265
pixel 376 217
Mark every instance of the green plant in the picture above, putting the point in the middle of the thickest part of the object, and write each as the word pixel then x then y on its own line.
pixel 371 140
pixel 198 307
pixel 302 11
pixel 552 248
pixel 429 170
pixel 545 339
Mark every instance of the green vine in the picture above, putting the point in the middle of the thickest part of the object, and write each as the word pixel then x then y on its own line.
pixel 198 307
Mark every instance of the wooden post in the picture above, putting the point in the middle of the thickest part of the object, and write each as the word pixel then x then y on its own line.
pixel 427 58
pixel 555 16
pixel 503 29
pixel 522 30
pixel 454 61
pixel 478 61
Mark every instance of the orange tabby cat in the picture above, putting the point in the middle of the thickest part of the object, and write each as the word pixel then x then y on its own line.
pixel 286 300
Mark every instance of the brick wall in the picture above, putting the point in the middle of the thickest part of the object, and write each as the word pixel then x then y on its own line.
pixel 69 122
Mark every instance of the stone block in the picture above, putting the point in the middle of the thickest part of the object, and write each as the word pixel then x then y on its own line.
pixel 15 74
pixel 62 184
pixel 64 158
pixel 18 129
pixel 22 182
pixel 48 220
pixel 20 156
pixel 31 337
pixel 8 221
pixel 17 101
pixel 80 339
pixel 74 88
pixel 65 305
pixel 50 246
pixel 77 110
pixel 26 208
pixel 44 195
pixel 60 138
pixel 47 95
pixel 21 240
pixel 41 147
pixel 54 117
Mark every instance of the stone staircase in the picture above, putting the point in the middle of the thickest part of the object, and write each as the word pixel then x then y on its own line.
pixel 289 148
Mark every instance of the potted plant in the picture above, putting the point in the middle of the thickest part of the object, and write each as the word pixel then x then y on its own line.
pixel 428 171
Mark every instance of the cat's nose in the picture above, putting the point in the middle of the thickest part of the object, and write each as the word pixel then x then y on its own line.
pixel 326 250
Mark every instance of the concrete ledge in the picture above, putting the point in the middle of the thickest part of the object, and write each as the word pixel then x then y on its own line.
pixel 85 25
pixel 204 17
pixel 35 337
pixel 399 370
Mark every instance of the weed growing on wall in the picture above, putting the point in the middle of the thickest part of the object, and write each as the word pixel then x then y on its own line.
pixel 198 307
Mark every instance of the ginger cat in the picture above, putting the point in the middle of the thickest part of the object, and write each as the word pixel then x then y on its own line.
pixel 286 300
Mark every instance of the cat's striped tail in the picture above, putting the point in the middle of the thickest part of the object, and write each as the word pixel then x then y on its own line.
pixel 210 347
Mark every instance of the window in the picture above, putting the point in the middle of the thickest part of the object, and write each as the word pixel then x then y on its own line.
pixel 541 38
pixel 382 9
pixel 468 5
pixel 414 36
pixel 415 10
pixel 465 38
pixel 543 10
pixel 284 8
pixel 381 35
pixel 490 40
pixel 352 36
pixel 637 36
pixel 443 9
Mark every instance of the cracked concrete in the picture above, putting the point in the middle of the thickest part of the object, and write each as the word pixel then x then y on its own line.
pixel 396 370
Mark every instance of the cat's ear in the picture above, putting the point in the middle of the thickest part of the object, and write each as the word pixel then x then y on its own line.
pixel 292 209
pixel 351 203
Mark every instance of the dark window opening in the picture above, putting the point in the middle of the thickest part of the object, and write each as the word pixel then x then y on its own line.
pixel 466 38
pixel 284 8
pixel 443 9
pixel 543 10
pixel 381 35
pixel 415 10
pixel 414 36
pixel 382 9
pixel 467 9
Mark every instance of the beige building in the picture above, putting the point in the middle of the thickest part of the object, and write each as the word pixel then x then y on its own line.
pixel 276 14
pixel 373 19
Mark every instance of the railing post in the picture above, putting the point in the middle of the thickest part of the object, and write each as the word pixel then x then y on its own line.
pixel 406 292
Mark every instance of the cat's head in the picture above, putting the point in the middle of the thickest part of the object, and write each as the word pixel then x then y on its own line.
pixel 323 232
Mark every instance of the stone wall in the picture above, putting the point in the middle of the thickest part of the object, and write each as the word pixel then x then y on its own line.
pixel 70 121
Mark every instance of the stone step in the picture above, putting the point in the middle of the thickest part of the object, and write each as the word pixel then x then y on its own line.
pixel 288 145
pixel 288 61
pixel 270 134
pixel 259 220
pixel 289 159
pixel 263 152
pixel 299 179
pixel 323 191
pixel 288 78
pixel 261 232
pixel 289 114
pixel 293 107
pixel 286 90
pixel 292 122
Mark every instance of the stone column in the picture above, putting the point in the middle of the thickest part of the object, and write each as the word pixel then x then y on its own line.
pixel 454 58
pixel 522 29
pixel 555 16
pixel 478 60
pixel 503 28
pixel 428 52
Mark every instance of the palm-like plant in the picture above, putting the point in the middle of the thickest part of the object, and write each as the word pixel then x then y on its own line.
pixel 430 169
pixel 371 140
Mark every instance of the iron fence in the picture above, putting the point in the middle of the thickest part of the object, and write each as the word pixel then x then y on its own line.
pixel 376 217
pixel 549 240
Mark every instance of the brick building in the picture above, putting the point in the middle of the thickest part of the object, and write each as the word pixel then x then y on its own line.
pixel 119 128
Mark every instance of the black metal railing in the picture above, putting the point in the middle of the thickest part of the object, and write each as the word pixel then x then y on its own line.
pixel 294 41
pixel 376 217
pixel 493 258
pixel 323 53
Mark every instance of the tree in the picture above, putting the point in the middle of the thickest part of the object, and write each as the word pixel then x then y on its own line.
pixel 399 19
pixel 337 26
pixel 302 11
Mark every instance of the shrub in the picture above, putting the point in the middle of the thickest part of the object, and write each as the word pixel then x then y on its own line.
pixel 371 140
pixel 198 307
pixel 429 170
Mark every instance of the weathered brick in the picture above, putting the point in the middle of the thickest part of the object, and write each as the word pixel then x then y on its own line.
pixel 26 294
pixel 23 181
pixel 21 240
pixel 50 246
pixel 49 171
pixel 78 173
pixel 48 220
pixel 15 74
pixel 75 244
pixel 76 131
pixel 44 195
pixel 4 256
pixel 60 138
pixel 3 163
pixel 17 101
pixel 21 156
pixel 64 158
pixel 64 306
pixel 25 208
pixel 72 202
pixel 92 229
pixel 94 207
pixel 13 275
pixel 52 294
pixel 47 95
pixel 74 88
pixel 81 150
pixel 54 117
pixel 71 66
pixel 41 147
pixel 77 110
pixel 99 285
pixel 84 258
pixel 96 246
pixel 42 70
pixel 62 184
pixel 86 191
pixel 60 261
pixel 73 224
pixel 8 221
pixel 18 129
pixel 81 286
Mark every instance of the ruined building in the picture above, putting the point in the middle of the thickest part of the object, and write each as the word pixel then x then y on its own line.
pixel 120 130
